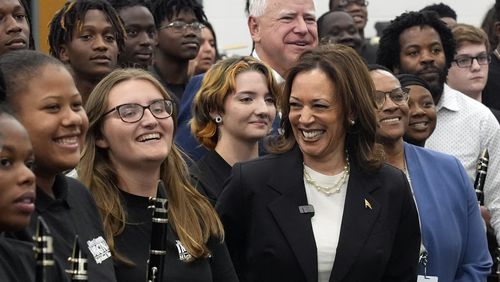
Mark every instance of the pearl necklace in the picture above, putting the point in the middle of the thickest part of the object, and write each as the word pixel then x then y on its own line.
pixel 335 188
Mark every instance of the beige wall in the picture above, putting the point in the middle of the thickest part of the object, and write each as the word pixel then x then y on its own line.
pixel 45 11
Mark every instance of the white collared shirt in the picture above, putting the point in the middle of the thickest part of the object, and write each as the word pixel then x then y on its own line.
pixel 464 128
pixel 279 79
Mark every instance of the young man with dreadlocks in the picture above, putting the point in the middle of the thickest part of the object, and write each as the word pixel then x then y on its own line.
pixel 179 24
pixel 87 36
pixel 140 27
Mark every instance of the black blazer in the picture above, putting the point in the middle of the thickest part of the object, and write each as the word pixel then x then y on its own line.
pixel 270 240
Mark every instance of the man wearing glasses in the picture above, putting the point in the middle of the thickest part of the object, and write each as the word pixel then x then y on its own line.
pixel 358 11
pixel 179 24
pixel 468 72
pixel 420 43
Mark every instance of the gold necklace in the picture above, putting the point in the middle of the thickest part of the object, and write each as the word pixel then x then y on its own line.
pixel 335 188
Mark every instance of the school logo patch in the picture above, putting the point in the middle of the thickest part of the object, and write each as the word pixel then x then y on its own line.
pixel 99 249
pixel 183 253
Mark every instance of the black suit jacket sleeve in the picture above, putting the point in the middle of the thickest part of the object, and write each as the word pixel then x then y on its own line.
pixel 403 264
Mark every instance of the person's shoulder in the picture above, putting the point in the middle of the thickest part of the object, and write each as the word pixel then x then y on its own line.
pixel 263 162
pixel 76 187
pixel 79 194
pixel 430 154
pixel 388 171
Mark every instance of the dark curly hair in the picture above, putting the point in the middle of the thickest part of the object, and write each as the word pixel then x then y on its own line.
pixel 443 10
pixel 167 9
pixel 122 4
pixel 72 15
pixel 389 47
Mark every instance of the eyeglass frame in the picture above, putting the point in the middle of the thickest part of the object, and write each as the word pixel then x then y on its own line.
pixel 166 101
pixel 406 94
pixel 195 26
pixel 471 60
pixel 347 2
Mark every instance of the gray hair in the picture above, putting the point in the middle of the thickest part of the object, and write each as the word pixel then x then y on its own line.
pixel 257 7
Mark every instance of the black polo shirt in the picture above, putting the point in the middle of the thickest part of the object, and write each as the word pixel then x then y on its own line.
pixel 17 262
pixel 72 212
pixel 12 265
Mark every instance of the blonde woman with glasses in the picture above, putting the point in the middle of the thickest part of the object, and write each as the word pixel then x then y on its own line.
pixel 127 150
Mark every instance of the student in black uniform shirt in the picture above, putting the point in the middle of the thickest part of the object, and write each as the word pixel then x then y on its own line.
pixel 232 111
pixel 43 95
pixel 128 148
pixel 17 187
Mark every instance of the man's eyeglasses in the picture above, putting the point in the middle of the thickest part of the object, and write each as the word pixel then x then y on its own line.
pixel 179 27
pixel 131 113
pixel 345 3
pixel 399 96
pixel 466 61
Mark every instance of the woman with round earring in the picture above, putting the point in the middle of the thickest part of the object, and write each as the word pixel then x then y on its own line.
pixel 453 234
pixel 234 109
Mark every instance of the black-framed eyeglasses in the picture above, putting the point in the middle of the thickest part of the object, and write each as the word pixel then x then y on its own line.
pixel 466 61
pixel 180 26
pixel 132 112
pixel 398 95
pixel 345 3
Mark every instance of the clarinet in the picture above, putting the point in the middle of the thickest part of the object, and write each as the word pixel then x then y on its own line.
pixel 43 250
pixel 78 263
pixel 481 170
pixel 157 249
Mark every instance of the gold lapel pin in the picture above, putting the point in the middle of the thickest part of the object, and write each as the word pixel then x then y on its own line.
pixel 367 204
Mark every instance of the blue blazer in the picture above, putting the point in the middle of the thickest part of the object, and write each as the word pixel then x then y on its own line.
pixel 453 231
pixel 183 137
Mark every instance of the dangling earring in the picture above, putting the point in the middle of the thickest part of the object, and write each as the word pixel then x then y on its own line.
pixel 352 122
pixel 218 119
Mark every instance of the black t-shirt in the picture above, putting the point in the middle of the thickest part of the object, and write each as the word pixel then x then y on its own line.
pixel 209 175
pixel 134 242
pixel 72 212
pixel 13 263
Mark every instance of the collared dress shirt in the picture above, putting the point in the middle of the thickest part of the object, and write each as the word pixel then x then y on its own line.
pixel 464 128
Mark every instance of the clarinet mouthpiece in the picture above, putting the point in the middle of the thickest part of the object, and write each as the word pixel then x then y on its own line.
pixel 78 263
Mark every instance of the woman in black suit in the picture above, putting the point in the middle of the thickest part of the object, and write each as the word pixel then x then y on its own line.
pixel 323 207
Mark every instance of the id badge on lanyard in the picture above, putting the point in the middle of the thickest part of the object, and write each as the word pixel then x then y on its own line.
pixel 423 259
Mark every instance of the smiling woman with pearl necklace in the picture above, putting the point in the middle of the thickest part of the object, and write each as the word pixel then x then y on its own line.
pixel 322 206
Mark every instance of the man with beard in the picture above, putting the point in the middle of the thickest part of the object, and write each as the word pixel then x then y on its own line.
pixel 179 24
pixel 464 126
pixel 339 27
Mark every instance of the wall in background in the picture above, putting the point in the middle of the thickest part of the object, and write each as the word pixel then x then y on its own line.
pixel 230 21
